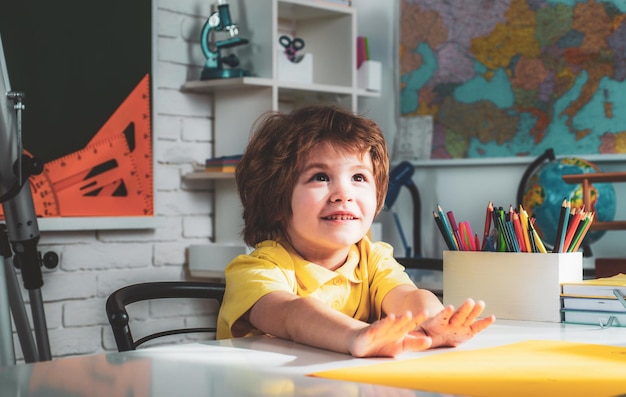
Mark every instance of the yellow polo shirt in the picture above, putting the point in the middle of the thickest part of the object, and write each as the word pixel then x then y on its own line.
pixel 356 289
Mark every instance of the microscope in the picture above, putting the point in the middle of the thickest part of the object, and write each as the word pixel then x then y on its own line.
pixel 220 21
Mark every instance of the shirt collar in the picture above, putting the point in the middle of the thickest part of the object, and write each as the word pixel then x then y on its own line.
pixel 311 275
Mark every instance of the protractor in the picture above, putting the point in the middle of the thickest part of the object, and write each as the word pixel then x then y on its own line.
pixel 132 119
pixel 111 175
pixel 101 177
pixel 44 197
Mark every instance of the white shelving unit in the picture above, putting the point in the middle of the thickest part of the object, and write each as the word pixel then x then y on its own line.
pixel 329 32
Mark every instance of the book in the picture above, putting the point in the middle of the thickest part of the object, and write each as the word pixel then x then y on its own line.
pixel 598 287
pixel 222 164
pixel 594 304
pixel 594 318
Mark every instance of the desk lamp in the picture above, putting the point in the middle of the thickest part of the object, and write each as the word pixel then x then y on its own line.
pixel 220 21
pixel 402 175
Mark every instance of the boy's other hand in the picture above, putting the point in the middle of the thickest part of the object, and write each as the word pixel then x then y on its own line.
pixel 452 327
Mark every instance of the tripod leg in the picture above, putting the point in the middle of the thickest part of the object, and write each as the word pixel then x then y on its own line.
pixel 19 316
pixel 7 350
pixel 39 322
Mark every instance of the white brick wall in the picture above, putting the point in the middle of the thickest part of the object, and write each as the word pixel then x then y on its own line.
pixel 93 264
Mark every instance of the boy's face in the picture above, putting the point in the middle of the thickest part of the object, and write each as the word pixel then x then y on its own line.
pixel 333 202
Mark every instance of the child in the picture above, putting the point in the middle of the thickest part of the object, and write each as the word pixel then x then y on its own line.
pixel 311 183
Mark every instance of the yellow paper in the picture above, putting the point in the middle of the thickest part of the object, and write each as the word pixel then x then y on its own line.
pixel 531 368
pixel 618 280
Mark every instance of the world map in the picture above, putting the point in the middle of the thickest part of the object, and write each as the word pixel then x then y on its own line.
pixel 504 78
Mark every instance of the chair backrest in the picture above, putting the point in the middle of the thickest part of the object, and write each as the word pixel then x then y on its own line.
pixel 118 300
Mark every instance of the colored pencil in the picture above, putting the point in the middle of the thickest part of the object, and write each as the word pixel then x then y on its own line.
pixel 443 231
pixel 512 238
pixel 538 241
pixel 469 236
pixel 502 235
pixel 514 230
pixel 524 222
pixel 463 238
pixel 503 231
pixel 562 226
pixel 572 227
pixel 587 224
pixel 519 234
pixel 448 227
pixel 531 238
pixel 455 230
pixel 488 218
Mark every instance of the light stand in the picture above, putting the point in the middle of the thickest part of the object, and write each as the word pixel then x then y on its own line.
pixel 21 232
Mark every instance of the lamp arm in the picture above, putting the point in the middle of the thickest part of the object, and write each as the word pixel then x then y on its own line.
pixel 407 249
pixel 417 226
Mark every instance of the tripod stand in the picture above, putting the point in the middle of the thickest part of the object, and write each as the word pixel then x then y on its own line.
pixel 20 235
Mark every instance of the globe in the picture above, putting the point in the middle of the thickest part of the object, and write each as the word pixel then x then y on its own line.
pixel 545 190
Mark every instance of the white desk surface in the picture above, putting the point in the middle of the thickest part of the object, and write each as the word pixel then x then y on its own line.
pixel 259 366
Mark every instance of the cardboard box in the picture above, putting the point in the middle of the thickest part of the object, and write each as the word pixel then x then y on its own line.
pixel 514 286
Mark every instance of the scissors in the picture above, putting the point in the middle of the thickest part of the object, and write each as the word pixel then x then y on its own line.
pixel 292 46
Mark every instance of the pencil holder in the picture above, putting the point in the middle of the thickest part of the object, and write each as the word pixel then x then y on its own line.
pixel 513 285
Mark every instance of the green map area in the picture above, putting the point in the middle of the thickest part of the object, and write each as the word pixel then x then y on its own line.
pixel 506 78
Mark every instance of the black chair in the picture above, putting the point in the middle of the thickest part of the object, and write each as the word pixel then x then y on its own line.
pixel 118 300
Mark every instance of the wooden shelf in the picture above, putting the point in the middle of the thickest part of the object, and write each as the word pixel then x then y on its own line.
pixel 212 86
pixel 217 85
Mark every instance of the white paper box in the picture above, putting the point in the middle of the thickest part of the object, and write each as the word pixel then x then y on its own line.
pixel 301 72
pixel 369 76
pixel 514 286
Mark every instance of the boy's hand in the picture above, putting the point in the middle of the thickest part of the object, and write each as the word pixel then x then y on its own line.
pixel 451 328
pixel 390 336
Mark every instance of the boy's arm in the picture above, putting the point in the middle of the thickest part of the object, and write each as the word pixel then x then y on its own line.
pixel 408 297
pixel 309 321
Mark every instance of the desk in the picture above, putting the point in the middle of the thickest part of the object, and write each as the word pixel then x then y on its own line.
pixel 259 366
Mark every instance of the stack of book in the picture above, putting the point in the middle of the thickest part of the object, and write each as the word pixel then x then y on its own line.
pixel 222 164
pixel 597 301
